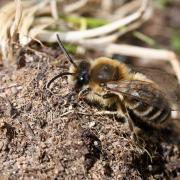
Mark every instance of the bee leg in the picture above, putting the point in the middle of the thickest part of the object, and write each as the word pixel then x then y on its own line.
pixel 83 93
pixel 106 96
pixel 131 125
pixel 107 113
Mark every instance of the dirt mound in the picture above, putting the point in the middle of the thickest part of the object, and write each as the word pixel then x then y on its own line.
pixel 52 135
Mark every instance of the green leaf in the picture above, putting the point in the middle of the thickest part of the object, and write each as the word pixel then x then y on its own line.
pixel 70 48
pixel 146 39
pixel 91 22
pixel 162 3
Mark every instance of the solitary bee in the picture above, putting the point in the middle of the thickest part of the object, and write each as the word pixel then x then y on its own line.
pixel 111 83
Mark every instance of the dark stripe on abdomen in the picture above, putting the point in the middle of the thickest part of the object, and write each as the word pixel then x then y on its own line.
pixel 150 114
pixel 147 103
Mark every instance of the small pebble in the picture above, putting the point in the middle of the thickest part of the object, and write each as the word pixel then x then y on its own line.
pixel 92 124
pixel 14 90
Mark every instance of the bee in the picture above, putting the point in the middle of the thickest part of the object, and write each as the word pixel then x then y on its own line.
pixel 109 83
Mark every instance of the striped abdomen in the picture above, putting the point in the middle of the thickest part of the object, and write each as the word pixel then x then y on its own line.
pixel 147 105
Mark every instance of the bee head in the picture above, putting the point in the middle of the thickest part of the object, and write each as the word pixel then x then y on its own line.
pixel 78 72
pixel 82 77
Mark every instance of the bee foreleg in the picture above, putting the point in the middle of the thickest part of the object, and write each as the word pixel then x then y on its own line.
pixel 83 93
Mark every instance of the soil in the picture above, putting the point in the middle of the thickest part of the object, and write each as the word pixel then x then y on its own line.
pixel 51 134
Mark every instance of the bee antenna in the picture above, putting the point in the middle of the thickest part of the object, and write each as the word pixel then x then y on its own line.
pixel 56 77
pixel 65 52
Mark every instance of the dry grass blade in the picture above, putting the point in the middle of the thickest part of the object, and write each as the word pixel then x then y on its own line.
pixel 54 9
pixel 33 32
pixel 17 21
pixel 74 36
pixel 11 18
pixel 126 9
pixel 7 14
pixel 27 22
pixel 44 20
pixel 75 6
pixel 108 39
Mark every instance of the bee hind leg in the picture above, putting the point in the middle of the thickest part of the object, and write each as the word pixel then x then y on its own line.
pixel 123 110
pixel 132 127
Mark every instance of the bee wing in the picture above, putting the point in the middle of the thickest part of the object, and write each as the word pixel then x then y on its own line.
pixel 145 92
pixel 166 81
